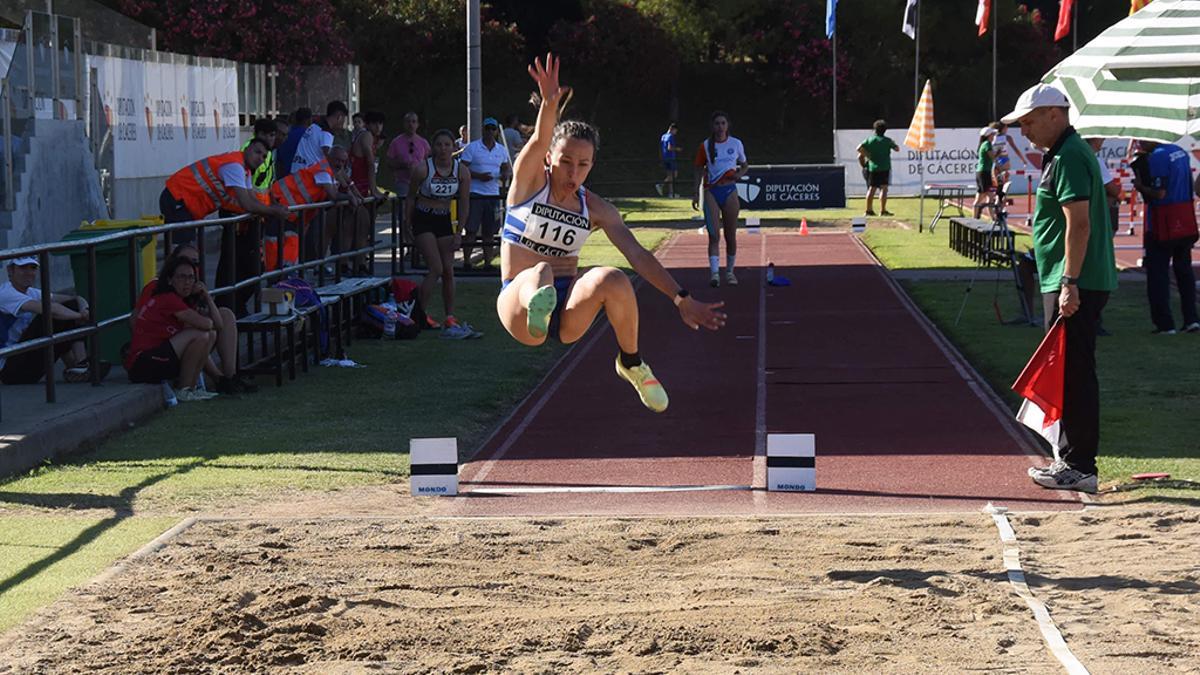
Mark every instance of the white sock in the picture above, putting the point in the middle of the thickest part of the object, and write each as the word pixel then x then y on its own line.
pixel 729 261
pixel 714 264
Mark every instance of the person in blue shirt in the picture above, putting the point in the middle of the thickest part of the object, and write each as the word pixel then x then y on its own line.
pixel 301 120
pixel 1166 182
pixel 668 147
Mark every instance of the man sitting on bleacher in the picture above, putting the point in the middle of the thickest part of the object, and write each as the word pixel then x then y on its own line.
pixel 21 321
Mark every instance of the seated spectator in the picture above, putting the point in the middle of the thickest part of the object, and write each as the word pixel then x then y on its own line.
pixel 226 375
pixel 171 341
pixel 20 321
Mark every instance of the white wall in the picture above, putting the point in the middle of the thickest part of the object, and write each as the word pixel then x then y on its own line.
pixel 57 188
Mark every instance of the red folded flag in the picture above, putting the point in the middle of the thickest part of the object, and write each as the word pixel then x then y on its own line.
pixel 1041 385
pixel 983 15
pixel 1064 19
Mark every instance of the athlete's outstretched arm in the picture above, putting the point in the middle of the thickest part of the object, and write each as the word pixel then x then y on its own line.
pixel 693 312
pixel 529 169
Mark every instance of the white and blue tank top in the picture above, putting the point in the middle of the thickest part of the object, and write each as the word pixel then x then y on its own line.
pixel 545 229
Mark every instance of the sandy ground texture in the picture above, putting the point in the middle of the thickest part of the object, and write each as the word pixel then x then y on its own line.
pixel 827 594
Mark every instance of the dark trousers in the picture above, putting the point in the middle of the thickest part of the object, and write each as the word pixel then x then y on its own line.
pixel 247 258
pixel 1160 258
pixel 1081 390
pixel 175 211
pixel 29 367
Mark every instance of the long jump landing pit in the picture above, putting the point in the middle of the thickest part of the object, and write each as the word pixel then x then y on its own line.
pixel 903 594
pixel 902 423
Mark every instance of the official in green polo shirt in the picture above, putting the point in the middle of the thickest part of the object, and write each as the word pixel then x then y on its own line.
pixel 1072 242
pixel 875 156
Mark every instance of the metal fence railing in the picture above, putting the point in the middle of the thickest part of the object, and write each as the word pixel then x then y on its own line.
pixel 313 267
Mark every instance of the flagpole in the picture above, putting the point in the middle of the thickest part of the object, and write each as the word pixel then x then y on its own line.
pixel 995 11
pixel 917 67
pixel 1074 29
pixel 835 98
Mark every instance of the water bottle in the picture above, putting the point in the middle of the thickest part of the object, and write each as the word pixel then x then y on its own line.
pixel 770 272
pixel 169 395
pixel 389 325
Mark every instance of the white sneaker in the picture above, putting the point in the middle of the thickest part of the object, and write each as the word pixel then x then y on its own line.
pixel 190 394
pixel 1055 467
pixel 730 279
pixel 1193 327
pixel 715 280
pixel 1067 479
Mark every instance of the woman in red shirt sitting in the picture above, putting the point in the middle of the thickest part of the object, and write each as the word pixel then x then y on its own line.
pixel 171 341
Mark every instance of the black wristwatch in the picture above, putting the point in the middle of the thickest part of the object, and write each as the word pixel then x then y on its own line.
pixel 1068 281
pixel 683 293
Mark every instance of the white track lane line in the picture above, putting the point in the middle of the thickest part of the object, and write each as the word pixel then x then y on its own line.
pixel 760 403
pixel 1016 577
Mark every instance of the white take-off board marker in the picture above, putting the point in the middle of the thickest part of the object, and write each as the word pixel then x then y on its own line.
pixel 791 462
pixel 858 224
pixel 433 467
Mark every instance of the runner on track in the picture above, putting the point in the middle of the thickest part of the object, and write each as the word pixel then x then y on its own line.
pixel 550 215
pixel 723 160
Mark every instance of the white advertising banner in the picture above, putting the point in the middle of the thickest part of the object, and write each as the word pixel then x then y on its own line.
pixel 952 161
pixel 165 115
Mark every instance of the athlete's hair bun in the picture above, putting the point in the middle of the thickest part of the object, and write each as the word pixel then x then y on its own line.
pixel 575 129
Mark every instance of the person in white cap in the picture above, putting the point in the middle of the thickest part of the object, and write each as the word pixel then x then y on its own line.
pixel 983 170
pixel 20 321
pixel 1074 252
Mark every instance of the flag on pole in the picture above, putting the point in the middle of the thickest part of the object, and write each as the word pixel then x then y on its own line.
pixel 1041 385
pixel 983 15
pixel 1135 5
pixel 909 27
pixel 1064 19
pixel 920 135
pixel 830 18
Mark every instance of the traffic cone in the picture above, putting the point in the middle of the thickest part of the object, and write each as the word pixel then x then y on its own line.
pixel 804 227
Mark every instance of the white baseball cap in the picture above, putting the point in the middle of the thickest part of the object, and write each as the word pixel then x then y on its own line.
pixel 1037 96
pixel 21 262
pixel 987 131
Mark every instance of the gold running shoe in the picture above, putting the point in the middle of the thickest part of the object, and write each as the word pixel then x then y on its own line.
pixel 649 389
pixel 541 307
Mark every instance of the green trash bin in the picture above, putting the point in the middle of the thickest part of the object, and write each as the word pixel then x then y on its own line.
pixel 112 282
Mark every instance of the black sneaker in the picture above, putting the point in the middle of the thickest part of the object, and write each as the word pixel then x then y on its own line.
pixel 886 213
pixel 232 386
pixel 869 212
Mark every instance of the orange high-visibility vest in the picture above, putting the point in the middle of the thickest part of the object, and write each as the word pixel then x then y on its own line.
pixel 301 187
pixel 200 188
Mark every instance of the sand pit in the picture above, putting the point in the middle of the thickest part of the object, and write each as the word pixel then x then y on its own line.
pixel 895 594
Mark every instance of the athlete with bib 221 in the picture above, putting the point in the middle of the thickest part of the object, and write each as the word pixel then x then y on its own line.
pixel 550 215
pixel 720 163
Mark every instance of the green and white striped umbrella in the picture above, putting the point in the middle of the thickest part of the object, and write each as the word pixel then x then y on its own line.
pixel 1140 78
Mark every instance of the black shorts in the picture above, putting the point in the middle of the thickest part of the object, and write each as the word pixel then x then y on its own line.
pixel 880 178
pixel 155 365
pixel 437 224
pixel 983 181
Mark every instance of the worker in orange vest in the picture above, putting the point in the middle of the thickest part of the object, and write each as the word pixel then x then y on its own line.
pixel 322 181
pixel 220 182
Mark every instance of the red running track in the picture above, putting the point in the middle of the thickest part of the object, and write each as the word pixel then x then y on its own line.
pixel 901 424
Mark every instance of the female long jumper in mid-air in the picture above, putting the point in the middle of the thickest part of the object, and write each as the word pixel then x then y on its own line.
pixel 550 215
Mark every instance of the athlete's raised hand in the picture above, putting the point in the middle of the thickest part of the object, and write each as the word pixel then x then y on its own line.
pixel 546 77
pixel 696 314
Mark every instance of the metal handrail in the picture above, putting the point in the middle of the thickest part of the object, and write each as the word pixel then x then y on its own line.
pixel 91 331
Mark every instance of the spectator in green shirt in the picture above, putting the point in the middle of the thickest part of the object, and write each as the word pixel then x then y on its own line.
pixel 983 169
pixel 1074 252
pixel 875 155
